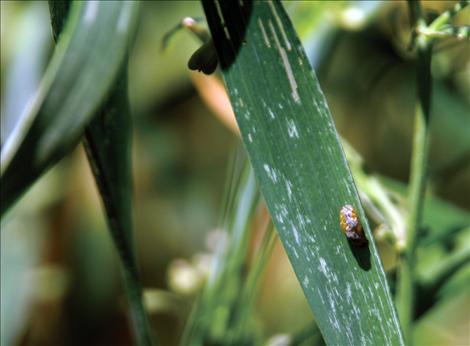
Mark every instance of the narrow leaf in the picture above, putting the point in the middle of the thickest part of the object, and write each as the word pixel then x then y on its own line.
pixel 84 67
pixel 297 158
pixel 220 311
pixel 108 144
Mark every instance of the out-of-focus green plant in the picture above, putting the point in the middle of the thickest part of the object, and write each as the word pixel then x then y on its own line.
pixel 423 42
pixel 78 86
pixel 223 313
pixel 296 155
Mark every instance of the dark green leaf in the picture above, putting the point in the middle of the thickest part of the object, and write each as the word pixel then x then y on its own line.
pixel 108 144
pixel 87 59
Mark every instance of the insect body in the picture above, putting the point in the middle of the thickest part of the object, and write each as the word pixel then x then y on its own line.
pixel 351 226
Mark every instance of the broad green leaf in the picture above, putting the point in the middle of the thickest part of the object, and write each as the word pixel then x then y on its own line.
pixel 82 71
pixel 297 158
pixel 108 144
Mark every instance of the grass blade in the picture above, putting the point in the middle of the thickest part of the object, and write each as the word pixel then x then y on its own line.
pixel 215 319
pixel 108 144
pixel 297 158
pixel 84 67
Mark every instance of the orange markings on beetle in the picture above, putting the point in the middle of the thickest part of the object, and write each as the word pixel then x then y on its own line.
pixel 351 226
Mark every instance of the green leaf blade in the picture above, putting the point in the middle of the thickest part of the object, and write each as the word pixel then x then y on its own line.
pixel 84 67
pixel 295 151
pixel 108 143
pixel 108 147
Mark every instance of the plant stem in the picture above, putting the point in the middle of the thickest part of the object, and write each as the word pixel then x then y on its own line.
pixel 259 264
pixel 406 278
pixel 249 291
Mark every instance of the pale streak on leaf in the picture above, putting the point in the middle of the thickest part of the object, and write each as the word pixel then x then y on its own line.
pixel 287 66
pixel 279 24
pixel 263 32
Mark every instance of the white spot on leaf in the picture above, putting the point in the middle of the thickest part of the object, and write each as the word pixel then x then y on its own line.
pixel 292 129
pixel 323 267
pixel 271 173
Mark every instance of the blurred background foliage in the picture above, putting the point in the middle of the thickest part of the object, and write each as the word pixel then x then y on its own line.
pixel 59 276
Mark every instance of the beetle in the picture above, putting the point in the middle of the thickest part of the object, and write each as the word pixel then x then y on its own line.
pixel 351 225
